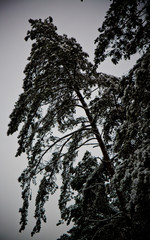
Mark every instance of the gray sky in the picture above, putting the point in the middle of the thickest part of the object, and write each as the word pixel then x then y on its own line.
pixel 74 18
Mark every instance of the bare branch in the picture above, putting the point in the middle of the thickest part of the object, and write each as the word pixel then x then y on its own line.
pixel 106 219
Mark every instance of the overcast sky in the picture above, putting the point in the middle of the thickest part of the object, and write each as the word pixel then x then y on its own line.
pixel 74 18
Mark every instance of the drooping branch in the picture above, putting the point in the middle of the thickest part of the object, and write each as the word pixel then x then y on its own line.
pixel 59 140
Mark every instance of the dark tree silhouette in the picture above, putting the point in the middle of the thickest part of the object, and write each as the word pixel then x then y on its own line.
pixel 110 191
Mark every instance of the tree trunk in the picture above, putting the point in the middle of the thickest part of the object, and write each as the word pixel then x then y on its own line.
pixel 107 161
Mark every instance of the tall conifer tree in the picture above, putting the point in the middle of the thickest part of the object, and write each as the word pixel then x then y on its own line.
pixel 110 191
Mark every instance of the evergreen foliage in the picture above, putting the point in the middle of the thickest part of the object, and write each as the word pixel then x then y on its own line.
pixel 125 31
pixel 105 196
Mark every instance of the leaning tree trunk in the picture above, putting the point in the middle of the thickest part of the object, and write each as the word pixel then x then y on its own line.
pixel 107 161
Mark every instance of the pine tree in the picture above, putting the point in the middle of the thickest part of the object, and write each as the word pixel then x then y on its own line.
pixel 110 191
pixel 125 31
pixel 58 80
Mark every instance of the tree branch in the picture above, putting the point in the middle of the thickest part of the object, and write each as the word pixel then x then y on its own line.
pixel 60 139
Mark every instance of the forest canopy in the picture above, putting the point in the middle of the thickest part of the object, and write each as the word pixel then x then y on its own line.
pixel 68 107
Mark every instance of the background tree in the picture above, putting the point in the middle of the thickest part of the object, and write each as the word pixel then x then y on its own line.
pixel 108 190
pixel 125 31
